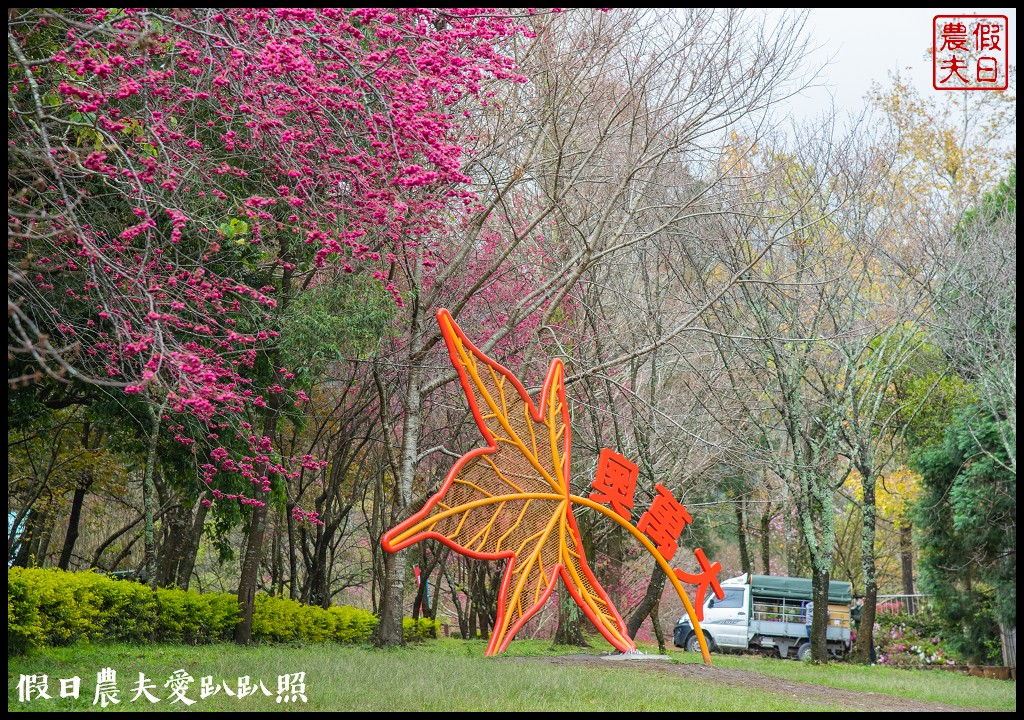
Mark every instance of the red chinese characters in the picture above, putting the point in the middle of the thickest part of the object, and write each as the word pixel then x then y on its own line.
pixel 970 52
pixel 664 521
pixel 954 36
pixel 708 577
pixel 615 483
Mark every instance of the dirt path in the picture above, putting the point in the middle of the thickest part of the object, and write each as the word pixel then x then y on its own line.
pixel 852 699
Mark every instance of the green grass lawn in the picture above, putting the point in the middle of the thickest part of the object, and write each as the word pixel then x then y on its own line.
pixel 452 675
pixel 927 685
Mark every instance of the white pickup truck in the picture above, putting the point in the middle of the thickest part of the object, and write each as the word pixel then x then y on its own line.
pixel 768 614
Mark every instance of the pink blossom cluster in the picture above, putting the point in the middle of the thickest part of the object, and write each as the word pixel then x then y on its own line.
pixel 200 148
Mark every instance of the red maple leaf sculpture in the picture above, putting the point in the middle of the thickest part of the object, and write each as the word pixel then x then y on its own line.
pixel 511 499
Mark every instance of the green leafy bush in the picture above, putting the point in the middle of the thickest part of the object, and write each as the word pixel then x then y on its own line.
pixel 911 640
pixel 273 619
pixel 353 625
pixel 124 610
pixel 194 618
pixel 52 607
pixel 419 630
pixel 278 619
pixel 24 626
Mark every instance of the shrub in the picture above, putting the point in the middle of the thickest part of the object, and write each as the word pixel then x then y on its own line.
pixel 53 607
pixel 24 625
pixel 194 618
pixel 419 630
pixel 905 640
pixel 278 619
pixel 124 610
pixel 353 625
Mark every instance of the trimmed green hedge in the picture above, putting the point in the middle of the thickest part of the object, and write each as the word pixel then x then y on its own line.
pixel 185 616
pixel 420 630
pixel 52 607
pixel 278 619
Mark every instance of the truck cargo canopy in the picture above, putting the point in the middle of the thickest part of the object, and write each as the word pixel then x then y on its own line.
pixel 798 588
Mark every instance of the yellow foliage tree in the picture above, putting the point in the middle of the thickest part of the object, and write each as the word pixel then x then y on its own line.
pixel 895 494
pixel 955 145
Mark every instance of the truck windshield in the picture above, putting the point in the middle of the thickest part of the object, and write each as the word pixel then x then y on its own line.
pixel 732 599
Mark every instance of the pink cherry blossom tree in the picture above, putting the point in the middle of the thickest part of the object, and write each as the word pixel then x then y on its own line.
pixel 176 178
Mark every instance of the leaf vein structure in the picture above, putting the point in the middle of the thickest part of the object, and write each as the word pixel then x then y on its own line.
pixel 518 520
pixel 481 537
pixel 502 475
pixel 462 357
pixel 510 499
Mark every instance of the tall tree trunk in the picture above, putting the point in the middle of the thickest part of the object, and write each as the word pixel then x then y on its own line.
pixel 85 480
pixel 766 520
pixel 432 605
pixel 42 546
pixel 195 536
pixel 317 575
pixel 76 514
pixel 484 620
pixel 34 521
pixel 275 558
pixel 392 607
pixel 389 629
pixel 279 553
pixel 907 557
pixel 866 627
pixel 378 515
pixel 293 576
pixel 452 575
pixel 659 633
pixel 149 490
pixel 249 576
pixel 175 543
pixel 817 521
pixel 471 624
pixel 482 597
pixel 570 620
pixel 819 625
pixel 741 536
pixel 613 577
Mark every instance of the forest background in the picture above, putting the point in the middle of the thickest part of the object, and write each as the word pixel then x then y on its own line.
pixel 229 232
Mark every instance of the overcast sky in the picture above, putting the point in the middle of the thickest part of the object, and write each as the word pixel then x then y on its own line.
pixel 867 44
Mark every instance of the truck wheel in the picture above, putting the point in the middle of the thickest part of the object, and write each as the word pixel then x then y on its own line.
pixel 693 644
pixel 803 652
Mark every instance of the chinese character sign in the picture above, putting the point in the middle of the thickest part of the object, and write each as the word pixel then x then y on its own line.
pixel 664 521
pixel 615 483
pixel 970 52
pixel 511 501
pixel 291 688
